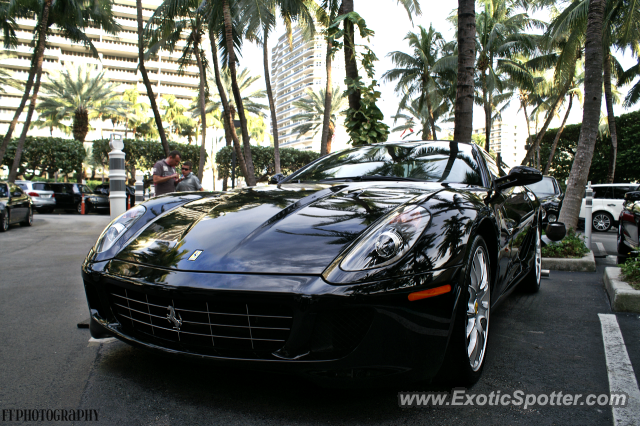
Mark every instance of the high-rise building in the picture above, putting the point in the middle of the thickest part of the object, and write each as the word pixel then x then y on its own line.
pixel 297 67
pixel 507 139
pixel 118 58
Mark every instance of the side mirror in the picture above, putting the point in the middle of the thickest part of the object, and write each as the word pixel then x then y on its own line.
pixel 519 176
pixel 632 196
pixel 276 179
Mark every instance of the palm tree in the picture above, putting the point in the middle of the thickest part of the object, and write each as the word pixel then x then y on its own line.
pixel 223 20
pixel 51 121
pixel 138 111
pixel 574 91
pixel 314 111
pixel 81 94
pixel 261 17
pixel 168 25
pixel 590 117
pixel 416 78
pixel 70 18
pixel 416 116
pixel 466 36
pixel 146 81
pixel 173 110
pixel 500 36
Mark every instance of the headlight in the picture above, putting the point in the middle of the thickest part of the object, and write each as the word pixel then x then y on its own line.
pixel 544 212
pixel 388 241
pixel 116 228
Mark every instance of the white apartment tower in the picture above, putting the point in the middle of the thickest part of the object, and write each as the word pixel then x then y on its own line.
pixel 507 139
pixel 118 56
pixel 296 68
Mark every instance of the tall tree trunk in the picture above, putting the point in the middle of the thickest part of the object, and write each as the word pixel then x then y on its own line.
pixel 272 103
pixel 466 58
pixel 590 116
pixel 147 83
pixel 487 114
pixel 25 129
pixel 557 138
pixel 250 176
pixel 432 121
pixel 526 117
pixel 325 141
pixel 36 66
pixel 203 113
pixel 350 63
pixel 610 117
pixel 552 112
pixel 229 128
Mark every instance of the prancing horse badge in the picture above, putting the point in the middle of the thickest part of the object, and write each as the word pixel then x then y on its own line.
pixel 195 255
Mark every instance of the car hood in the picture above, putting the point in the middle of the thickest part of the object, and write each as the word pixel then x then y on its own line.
pixel 289 229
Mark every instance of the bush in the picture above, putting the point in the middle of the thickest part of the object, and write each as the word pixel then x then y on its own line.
pixel 631 271
pixel 571 246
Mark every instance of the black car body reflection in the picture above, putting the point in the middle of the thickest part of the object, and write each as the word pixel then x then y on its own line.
pixel 550 196
pixel 330 273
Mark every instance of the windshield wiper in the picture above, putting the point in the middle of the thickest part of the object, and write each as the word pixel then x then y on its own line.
pixel 380 177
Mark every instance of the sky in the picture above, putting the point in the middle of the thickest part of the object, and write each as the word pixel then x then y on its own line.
pixel 391 24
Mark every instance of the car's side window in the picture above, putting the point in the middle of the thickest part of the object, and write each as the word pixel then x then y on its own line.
pixel 601 192
pixel 3 191
pixel 22 185
pixel 15 191
pixel 619 191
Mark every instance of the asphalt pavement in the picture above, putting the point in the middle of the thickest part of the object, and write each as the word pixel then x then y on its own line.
pixel 543 343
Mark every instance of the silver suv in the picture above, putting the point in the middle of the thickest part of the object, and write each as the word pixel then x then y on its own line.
pixel 41 194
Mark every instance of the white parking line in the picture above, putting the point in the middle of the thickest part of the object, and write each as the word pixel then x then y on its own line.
pixel 601 249
pixel 620 371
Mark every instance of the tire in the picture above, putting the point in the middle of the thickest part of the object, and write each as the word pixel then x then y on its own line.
pixel 623 250
pixel 601 221
pixel 87 208
pixel 4 221
pixel 29 220
pixel 531 282
pixel 465 356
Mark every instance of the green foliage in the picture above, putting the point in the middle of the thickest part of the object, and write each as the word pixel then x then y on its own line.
pixel 143 154
pixel 627 170
pixel 365 125
pixel 631 271
pixel 571 246
pixel 46 154
pixel 263 160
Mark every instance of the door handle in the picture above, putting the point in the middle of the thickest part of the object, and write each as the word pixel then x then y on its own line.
pixel 611 205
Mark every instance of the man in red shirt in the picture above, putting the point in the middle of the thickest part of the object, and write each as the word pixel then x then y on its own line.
pixel 164 173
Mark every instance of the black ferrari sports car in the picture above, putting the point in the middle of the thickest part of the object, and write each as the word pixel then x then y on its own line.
pixel 381 261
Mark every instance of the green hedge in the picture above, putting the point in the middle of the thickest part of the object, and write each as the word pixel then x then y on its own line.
pixel 46 154
pixel 627 169
pixel 263 161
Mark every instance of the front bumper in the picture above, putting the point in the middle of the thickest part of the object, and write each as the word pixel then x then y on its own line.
pixel 368 331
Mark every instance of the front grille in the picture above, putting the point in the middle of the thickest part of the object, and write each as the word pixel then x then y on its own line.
pixel 216 326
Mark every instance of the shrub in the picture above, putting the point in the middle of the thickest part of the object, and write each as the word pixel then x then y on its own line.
pixel 571 246
pixel 631 271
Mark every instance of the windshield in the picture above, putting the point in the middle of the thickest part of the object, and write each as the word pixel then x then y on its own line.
pixel 543 188
pixel 429 161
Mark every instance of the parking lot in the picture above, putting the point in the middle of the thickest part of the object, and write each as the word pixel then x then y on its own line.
pixel 544 343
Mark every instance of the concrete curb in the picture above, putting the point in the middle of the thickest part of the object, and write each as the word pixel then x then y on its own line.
pixel 585 264
pixel 623 297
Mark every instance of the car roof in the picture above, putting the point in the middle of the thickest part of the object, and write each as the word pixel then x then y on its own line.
pixel 613 184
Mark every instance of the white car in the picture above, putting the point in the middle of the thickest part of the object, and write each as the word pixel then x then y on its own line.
pixel 41 193
pixel 607 204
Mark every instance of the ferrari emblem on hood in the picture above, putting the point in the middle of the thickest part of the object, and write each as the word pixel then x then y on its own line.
pixel 195 255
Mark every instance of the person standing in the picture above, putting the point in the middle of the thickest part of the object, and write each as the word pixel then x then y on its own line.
pixel 164 173
pixel 189 181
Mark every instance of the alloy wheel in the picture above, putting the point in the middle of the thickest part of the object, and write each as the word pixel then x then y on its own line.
pixel 601 222
pixel 5 221
pixel 477 322
pixel 30 219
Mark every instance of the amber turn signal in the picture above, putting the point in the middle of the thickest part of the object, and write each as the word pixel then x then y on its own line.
pixel 429 293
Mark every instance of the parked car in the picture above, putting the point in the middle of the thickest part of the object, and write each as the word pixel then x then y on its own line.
pixel 550 195
pixel 41 193
pixel 378 262
pixel 15 206
pixel 607 204
pixel 69 196
pixel 628 224
pixel 130 190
